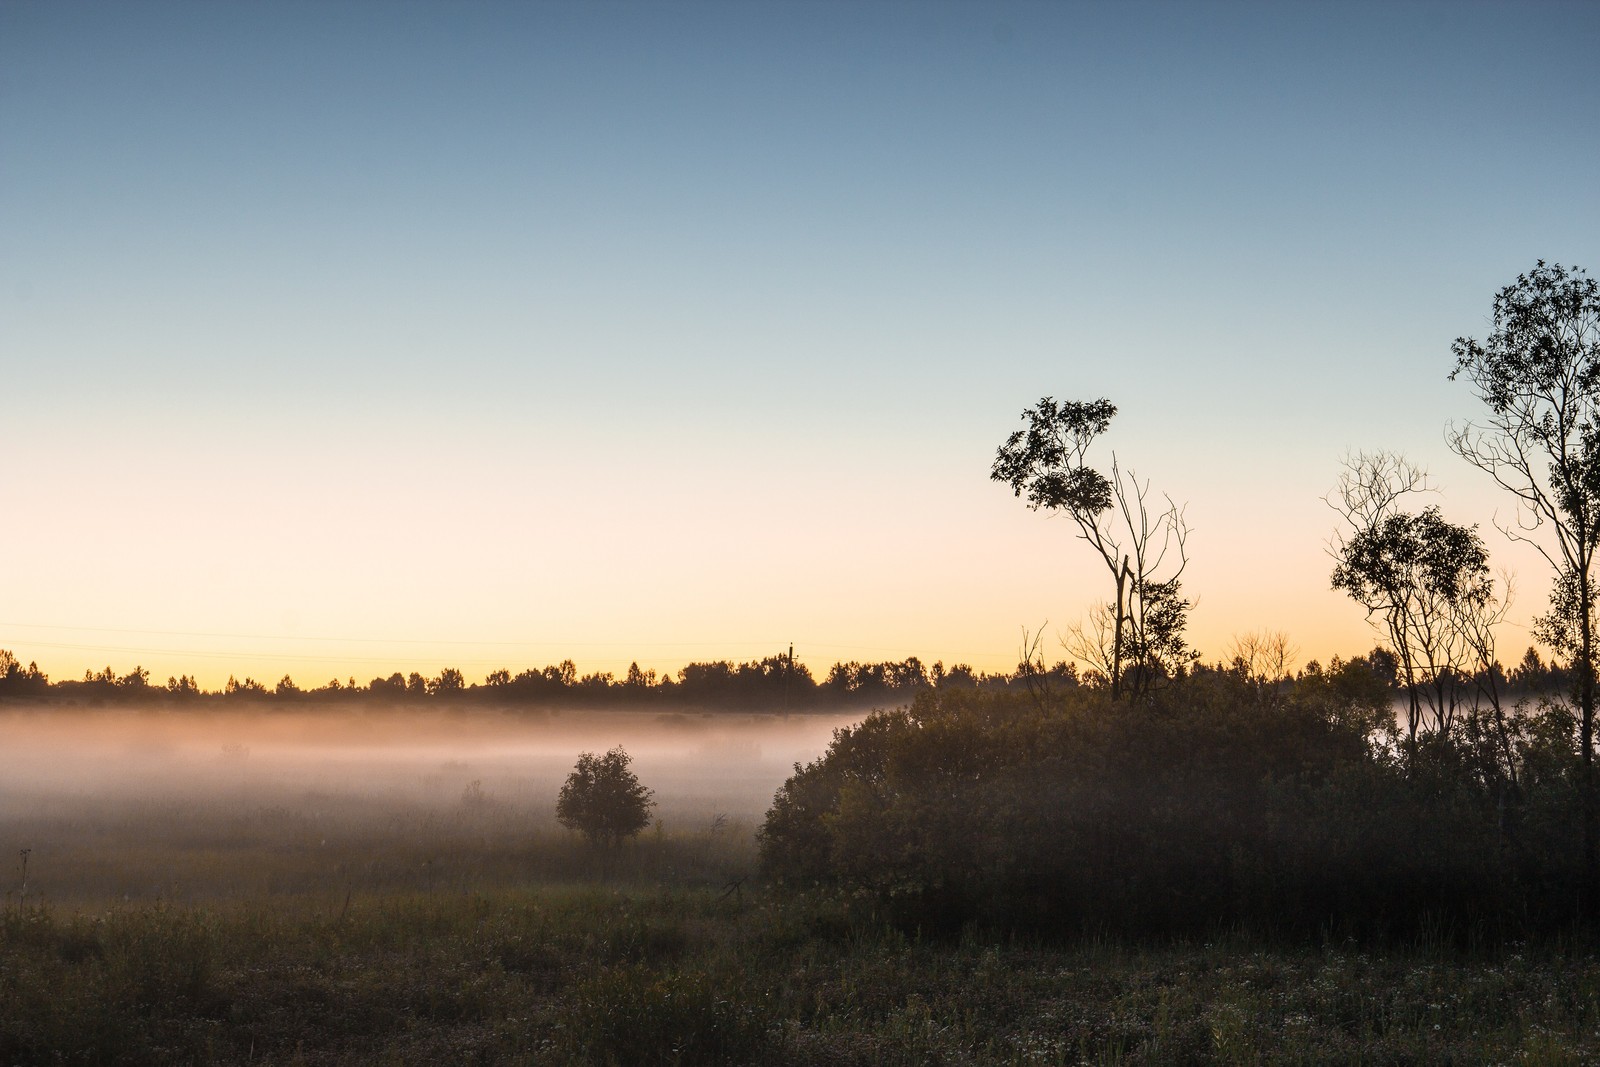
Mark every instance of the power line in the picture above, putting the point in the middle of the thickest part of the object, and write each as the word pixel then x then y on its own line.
pixel 366 640
pixel 282 654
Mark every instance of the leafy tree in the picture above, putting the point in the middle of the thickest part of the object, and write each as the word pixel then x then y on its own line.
pixel 183 687
pixel 1424 582
pixel 1538 373
pixel 603 800
pixel 245 689
pixel 450 683
pixel 19 681
pixel 1137 638
pixel 391 688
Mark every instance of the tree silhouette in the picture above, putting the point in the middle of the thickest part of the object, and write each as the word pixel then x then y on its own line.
pixel 603 800
pixel 1137 638
pixel 1423 580
pixel 1538 373
pixel 449 683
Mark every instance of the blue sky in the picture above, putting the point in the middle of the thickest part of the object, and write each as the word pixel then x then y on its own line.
pixel 335 333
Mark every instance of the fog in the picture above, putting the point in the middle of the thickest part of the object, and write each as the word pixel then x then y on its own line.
pixel 200 804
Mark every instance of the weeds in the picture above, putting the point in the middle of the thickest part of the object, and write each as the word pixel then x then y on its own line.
pixel 631 1015
pixel 320 936
pixel 603 975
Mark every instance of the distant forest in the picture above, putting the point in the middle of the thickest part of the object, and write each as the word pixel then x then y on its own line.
pixel 772 684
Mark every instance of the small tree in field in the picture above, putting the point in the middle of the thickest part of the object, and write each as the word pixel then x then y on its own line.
pixel 603 800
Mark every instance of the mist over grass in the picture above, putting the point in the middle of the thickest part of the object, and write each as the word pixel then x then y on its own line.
pixel 117 805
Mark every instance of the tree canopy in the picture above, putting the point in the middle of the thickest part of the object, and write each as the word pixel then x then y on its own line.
pixel 1538 376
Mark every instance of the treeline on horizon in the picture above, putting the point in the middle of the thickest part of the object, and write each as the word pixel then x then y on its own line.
pixel 773 683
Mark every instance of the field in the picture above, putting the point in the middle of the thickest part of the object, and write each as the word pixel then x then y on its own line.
pixel 226 890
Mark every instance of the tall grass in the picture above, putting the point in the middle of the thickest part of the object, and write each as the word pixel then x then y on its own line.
pixel 614 974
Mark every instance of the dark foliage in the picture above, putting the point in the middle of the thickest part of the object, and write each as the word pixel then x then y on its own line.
pixel 777 683
pixel 603 800
pixel 1232 800
pixel 1538 376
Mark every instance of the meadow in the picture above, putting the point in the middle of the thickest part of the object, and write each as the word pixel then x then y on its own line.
pixel 266 890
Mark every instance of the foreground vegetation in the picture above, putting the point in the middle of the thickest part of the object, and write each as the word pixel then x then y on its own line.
pixel 644 975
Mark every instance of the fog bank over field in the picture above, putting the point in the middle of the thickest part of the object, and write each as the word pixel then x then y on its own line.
pixel 699 765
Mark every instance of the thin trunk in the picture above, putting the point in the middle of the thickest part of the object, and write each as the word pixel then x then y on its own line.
pixel 1116 637
pixel 1413 696
pixel 1591 814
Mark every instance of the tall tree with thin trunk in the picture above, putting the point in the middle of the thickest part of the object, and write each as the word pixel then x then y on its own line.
pixel 1538 373
pixel 1136 638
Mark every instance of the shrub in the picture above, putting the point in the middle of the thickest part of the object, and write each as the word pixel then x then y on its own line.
pixel 603 800
pixel 1224 802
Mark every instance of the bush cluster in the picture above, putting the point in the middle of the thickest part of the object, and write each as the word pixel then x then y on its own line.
pixel 1224 801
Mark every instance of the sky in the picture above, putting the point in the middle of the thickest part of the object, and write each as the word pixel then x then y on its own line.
pixel 343 338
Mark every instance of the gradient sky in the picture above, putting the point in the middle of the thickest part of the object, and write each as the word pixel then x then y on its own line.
pixel 339 339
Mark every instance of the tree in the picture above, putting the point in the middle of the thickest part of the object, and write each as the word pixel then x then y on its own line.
pixel 1264 662
pixel 1137 638
pixel 603 800
pixel 1424 582
pixel 1538 373
pixel 392 687
pixel 245 689
pixel 450 683
pixel 17 681
pixel 183 687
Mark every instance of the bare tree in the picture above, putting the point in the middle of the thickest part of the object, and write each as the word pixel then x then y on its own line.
pixel 1265 661
pixel 1091 643
pixel 1030 665
pixel 1141 542
pixel 1268 655
pixel 1538 374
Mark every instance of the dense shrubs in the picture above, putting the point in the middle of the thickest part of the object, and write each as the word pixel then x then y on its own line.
pixel 1226 800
